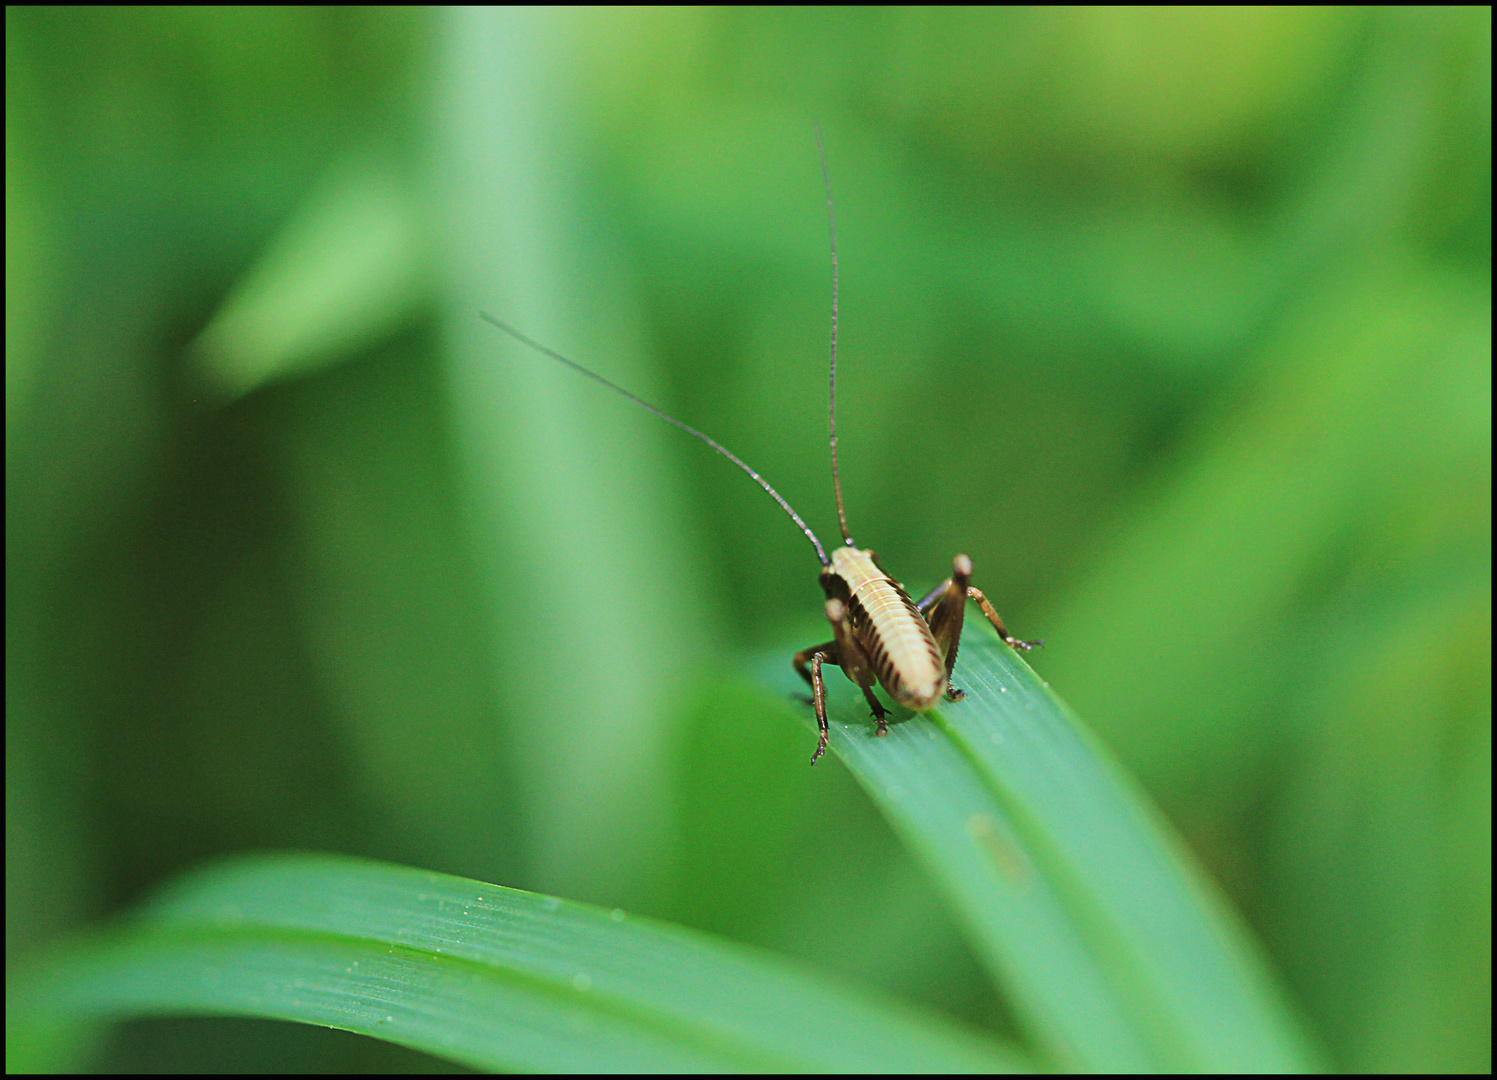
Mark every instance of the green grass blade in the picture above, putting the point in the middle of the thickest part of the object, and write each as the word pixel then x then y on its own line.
pixel 479 974
pixel 1116 952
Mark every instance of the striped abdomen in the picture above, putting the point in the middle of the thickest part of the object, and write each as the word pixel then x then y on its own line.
pixel 894 636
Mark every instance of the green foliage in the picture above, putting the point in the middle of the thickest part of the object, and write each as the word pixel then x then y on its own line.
pixel 1114 952
pixel 491 977
pixel 1177 321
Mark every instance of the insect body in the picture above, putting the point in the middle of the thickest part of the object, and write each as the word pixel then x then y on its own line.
pixel 878 633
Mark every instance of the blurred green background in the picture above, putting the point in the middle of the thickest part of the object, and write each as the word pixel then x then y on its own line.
pixel 1176 320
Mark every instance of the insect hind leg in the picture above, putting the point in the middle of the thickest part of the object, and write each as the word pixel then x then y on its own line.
pixel 987 609
pixel 944 608
pixel 802 659
pixel 808 662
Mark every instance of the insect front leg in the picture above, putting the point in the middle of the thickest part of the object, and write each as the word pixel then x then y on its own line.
pixel 945 606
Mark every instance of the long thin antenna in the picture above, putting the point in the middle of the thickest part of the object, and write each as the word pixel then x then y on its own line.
pixel 831 217
pixel 669 419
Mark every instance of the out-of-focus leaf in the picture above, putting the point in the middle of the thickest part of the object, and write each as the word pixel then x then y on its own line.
pixel 345 271
pixel 480 974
